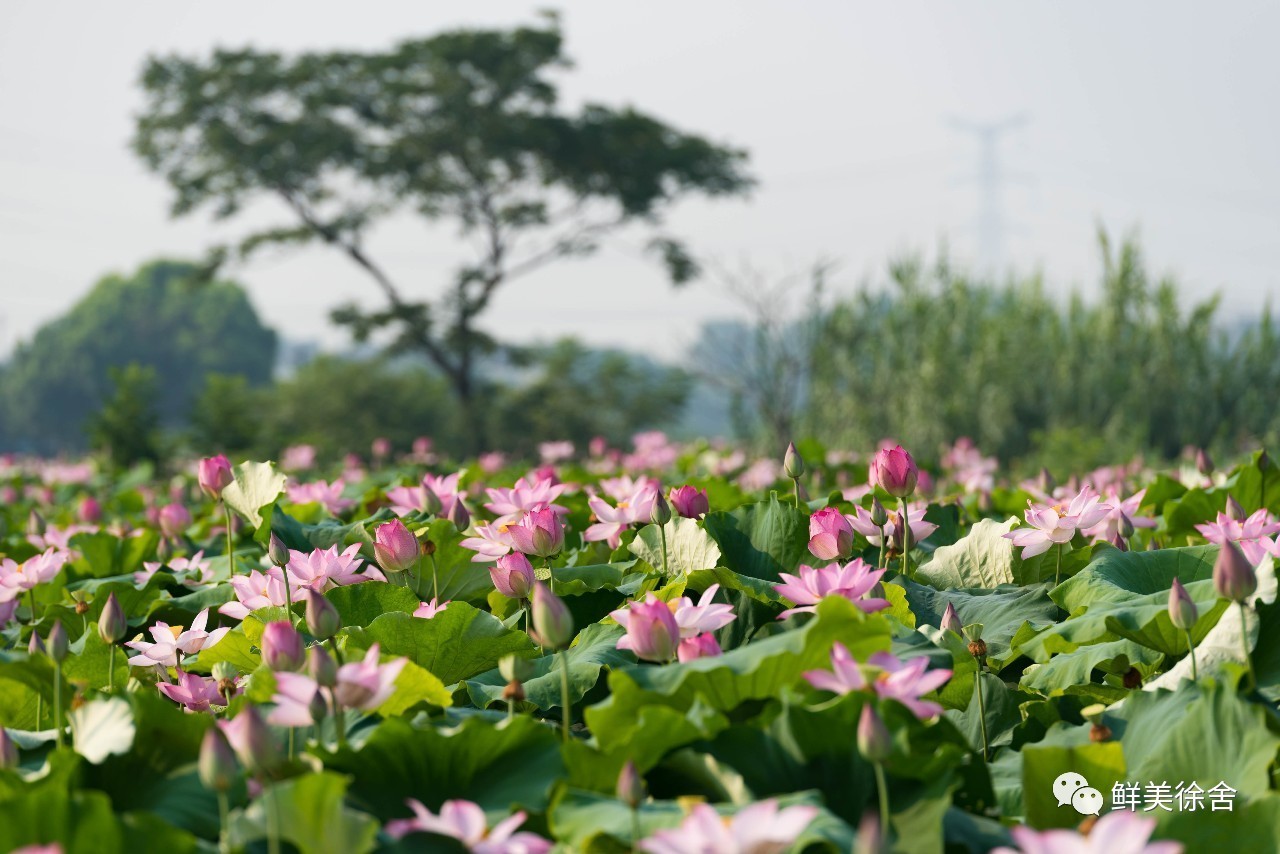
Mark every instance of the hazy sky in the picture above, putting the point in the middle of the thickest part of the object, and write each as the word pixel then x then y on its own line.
pixel 1159 115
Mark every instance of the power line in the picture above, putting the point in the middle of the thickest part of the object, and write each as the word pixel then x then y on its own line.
pixel 991 177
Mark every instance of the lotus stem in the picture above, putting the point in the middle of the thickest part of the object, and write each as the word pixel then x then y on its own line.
pixel 57 702
pixel 435 580
pixel 224 844
pixel 1244 647
pixel 339 714
pixel 564 694
pixel 1195 676
pixel 111 671
pixel 273 821
pixel 635 828
pixel 231 555
pixel 982 710
pixel 1057 570
pixel 662 529
pixel 796 482
pixel 31 600
pixel 906 538
pixel 882 790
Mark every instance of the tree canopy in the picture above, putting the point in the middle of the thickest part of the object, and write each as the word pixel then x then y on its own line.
pixel 165 317
pixel 464 126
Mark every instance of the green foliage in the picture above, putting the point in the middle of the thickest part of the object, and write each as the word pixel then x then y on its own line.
pixel 166 319
pixel 126 428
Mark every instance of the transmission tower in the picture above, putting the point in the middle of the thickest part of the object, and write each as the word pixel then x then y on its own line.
pixel 991 177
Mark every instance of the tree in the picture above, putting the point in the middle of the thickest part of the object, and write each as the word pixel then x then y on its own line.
pixel 464 126
pixel 159 318
pixel 126 429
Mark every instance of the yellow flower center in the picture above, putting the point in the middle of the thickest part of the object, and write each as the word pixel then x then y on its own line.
pixel 175 631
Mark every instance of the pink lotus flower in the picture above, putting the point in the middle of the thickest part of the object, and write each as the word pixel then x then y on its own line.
pixel 894 471
pixel 255 590
pixel 490 542
pixel 513 576
pixel 491 462
pixel 17 578
pixel 51 848
pixel 554 452
pixel 325 569
pixel 298 458
pixel 652 631
pixel 170 640
pixel 295 694
pixel 701 646
pixel 969 468
pixel 366 684
pixel 761 828
pixel 327 495
pixel 539 533
pixel 851 581
pixel 1253 535
pixel 625 486
pixel 1109 527
pixel 510 505
pixel 89 510
pixel 427 610
pixel 465 822
pixel 636 508
pixel 890 678
pixel 1056 524
pixel 689 502
pixel 760 475
pixel 192 572
pixel 214 475
pixel 830 535
pixel 920 529
pixel 395 546
pixel 706 616
pixel 174 519
pixel 196 693
pixel 58 538
pixel 1119 832
pixel 7 612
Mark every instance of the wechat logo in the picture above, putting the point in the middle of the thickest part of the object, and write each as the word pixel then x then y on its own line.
pixel 1072 788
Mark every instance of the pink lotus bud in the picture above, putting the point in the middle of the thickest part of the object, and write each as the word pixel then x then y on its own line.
pixel 689 502
pixel 879 516
pixel 1233 577
pixel 1234 510
pixel 431 504
pixel 8 750
pixel 598 446
pixel 323 620
pixel 35 524
pixel 282 647
pixel 552 622
pixel 173 520
pixel 538 533
pixel 951 620
pixel 111 622
pixel 661 513
pixel 252 740
pixel 893 470
pixel 830 535
pixel 422 446
pixel 652 631
pixel 792 462
pixel 89 511
pixel 58 645
pixel 35 646
pixel 396 547
pixel 699 646
pixel 381 447
pixel 217 764
pixel 277 551
pixel 874 741
pixel 214 475
pixel 513 576
pixel 459 515
pixel 1204 462
pixel 1120 542
pixel 322 667
pixel 1182 611
pixel 631 788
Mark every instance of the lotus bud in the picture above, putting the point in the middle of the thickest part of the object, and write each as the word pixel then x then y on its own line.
pixel 323 620
pixel 431 503
pixel 217 765
pixel 1120 542
pixel 879 516
pixel 1046 482
pixel 951 620
pixel 1182 611
pixel 830 534
pixel 58 644
pixel 214 475
pixel 89 511
pixel 661 509
pixel 1125 526
pixel 164 551
pixel 277 551
pixel 689 502
pixel 1234 510
pixel 459 515
pixel 322 667
pixel 8 750
pixel 111 622
pixel 552 622
pixel 1204 462
pixel 874 741
pixel 894 471
pixel 1233 577
pixel 318 708
pixel 174 520
pixel 512 575
pixel 252 740
pixel 395 547
pixel 792 462
pixel 631 788
pixel 282 647
pixel 35 646
pixel 35 524
pixel 513 668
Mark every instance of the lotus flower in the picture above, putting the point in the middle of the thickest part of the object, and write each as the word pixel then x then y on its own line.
pixel 892 679
pixel 324 569
pixel 635 508
pixel 894 471
pixel 395 547
pixel 510 505
pixel 920 529
pixel 427 610
pixel 490 542
pixel 465 822
pixel 761 828
pixel 194 571
pixel 214 475
pixel 1253 535
pixel 513 576
pixel 1109 527
pixel 539 533
pixel 327 495
pixel 1118 832
pixel 196 693
pixel 282 646
pixel 366 684
pixel 255 590
pixel 170 640
pixel 851 581
pixel 294 698
pixel 652 631
pixel 706 616
pixel 830 535
pixel 689 502
pixel 700 646
pixel 1056 524
pixel 17 578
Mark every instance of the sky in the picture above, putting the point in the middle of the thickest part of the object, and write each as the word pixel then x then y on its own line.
pixel 1158 117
